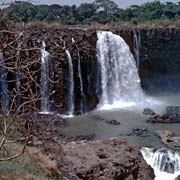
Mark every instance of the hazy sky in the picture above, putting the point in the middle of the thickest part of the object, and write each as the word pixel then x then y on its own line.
pixel 121 3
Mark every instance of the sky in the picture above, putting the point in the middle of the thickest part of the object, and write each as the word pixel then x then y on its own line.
pixel 121 3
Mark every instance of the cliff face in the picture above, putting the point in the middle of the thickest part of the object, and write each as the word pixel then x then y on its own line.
pixel 158 67
pixel 80 44
pixel 160 60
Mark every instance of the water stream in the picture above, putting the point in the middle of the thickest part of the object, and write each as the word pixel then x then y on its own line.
pixel 82 104
pixel 137 44
pixel 45 91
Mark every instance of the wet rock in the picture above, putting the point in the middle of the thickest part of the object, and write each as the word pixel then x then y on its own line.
pixel 164 118
pixel 171 115
pixel 89 137
pixel 148 111
pixel 178 178
pixel 142 132
pixel 112 122
pixel 168 138
pixel 111 159
pixel 97 117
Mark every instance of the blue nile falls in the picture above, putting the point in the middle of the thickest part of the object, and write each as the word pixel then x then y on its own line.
pixel 94 97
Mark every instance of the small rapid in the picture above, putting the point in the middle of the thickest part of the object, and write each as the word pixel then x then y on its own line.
pixel 166 163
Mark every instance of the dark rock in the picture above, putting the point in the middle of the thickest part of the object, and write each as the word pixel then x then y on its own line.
pixel 164 118
pixel 67 138
pixel 111 159
pixel 173 110
pixel 113 122
pixel 178 178
pixel 168 138
pixel 129 134
pixel 142 132
pixel 148 111
pixel 157 72
pixel 97 117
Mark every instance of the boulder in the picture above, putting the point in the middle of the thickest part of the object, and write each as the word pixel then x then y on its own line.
pixel 113 122
pixel 168 138
pixel 164 118
pixel 178 178
pixel 148 111
pixel 142 132
pixel 112 159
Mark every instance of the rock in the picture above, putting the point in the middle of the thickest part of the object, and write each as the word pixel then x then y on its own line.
pixel 142 132
pixel 113 122
pixel 148 111
pixel 173 110
pixel 178 178
pixel 168 138
pixel 164 118
pixel 89 137
pixel 112 159
pixel 97 117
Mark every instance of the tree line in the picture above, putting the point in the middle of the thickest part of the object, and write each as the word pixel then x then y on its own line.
pixel 101 11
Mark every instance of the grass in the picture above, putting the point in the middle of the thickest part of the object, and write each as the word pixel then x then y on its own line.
pixel 32 165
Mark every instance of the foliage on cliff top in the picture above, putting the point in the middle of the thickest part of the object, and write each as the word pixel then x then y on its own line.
pixel 100 11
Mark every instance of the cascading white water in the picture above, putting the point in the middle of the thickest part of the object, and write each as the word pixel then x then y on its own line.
pixel 137 43
pixel 166 163
pixel 80 78
pixel 70 84
pixel 120 82
pixel 70 93
pixel 44 79
pixel 3 86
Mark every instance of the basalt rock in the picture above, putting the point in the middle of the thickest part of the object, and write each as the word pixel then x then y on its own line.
pixel 164 118
pixel 111 159
pixel 113 122
pixel 66 138
pixel 148 111
pixel 158 69
pixel 141 132
pixel 168 138
pixel 160 60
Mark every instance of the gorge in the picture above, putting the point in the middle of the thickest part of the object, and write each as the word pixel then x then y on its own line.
pixel 72 71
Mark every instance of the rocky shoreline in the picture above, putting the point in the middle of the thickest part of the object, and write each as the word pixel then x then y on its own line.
pixel 83 157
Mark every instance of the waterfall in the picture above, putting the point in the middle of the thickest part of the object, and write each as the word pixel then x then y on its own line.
pixel 70 84
pixel 120 82
pixel 3 86
pixel 45 75
pixel 18 81
pixel 80 78
pixel 70 90
pixel 166 163
pixel 137 43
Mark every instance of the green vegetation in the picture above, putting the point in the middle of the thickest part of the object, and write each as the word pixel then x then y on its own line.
pixel 32 165
pixel 100 11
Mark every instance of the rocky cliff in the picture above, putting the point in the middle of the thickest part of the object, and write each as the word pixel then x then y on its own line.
pixel 158 67
pixel 160 60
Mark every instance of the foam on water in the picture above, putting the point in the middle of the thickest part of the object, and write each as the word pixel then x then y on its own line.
pixel 166 163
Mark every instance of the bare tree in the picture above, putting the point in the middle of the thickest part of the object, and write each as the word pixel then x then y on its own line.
pixel 13 65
